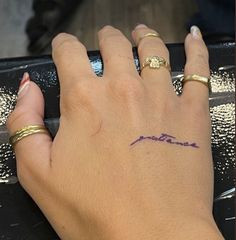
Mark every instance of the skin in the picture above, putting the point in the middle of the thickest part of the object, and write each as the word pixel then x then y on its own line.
pixel 89 182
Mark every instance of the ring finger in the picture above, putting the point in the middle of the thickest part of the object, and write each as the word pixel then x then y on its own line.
pixel 152 46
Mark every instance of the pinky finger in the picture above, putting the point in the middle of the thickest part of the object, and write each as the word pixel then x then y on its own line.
pixel 197 63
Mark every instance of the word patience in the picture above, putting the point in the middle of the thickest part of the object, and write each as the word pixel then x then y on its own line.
pixel 166 138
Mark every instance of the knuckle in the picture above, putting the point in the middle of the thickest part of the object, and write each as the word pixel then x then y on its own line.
pixel 166 106
pixel 62 49
pixel 202 58
pixel 123 41
pixel 82 87
pixel 81 94
pixel 198 67
pixel 80 90
pixel 24 172
pixel 197 111
pixel 128 87
pixel 30 178
pixel 22 175
pixel 114 39
pixel 19 114
pixel 153 44
pixel 200 55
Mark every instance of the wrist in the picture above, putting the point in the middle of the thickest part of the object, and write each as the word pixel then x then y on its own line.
pixel 193 229
pixel 169 230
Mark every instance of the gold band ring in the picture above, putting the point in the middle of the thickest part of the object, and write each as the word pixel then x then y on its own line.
pixel 27 131
pixel 198 78
pixel 157 35
pixel 155 62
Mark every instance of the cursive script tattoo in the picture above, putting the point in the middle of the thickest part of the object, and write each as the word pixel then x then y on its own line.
pixel 165 138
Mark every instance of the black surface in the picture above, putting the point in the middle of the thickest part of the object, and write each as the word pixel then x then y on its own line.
pixel 20 218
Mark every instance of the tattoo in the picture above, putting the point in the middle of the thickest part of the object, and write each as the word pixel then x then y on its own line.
pixel 167 139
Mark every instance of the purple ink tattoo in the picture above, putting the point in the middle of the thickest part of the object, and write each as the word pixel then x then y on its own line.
pixel 167 139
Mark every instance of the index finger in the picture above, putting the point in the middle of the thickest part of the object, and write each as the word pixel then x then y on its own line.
pixel 70 57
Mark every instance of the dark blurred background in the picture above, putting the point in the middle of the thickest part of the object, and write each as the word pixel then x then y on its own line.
pixel 27 26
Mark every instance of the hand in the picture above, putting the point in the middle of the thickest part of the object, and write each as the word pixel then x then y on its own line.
pixel 91 182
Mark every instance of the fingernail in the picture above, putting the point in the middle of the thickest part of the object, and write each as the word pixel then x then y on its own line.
pixel 196 33
pixel 24 85
pixel 140 26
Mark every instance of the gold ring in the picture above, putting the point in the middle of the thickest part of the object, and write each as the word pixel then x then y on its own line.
pixel 198 78
pixel 155 62
pixel 27 131
pixel 157 35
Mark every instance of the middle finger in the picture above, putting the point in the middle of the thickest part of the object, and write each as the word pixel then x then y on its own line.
pixel 116 51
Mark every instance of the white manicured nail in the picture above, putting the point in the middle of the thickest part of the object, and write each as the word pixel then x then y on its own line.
pixel 196 33
pixel 24 85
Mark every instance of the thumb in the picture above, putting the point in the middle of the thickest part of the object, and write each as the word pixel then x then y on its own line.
pixel 32 152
